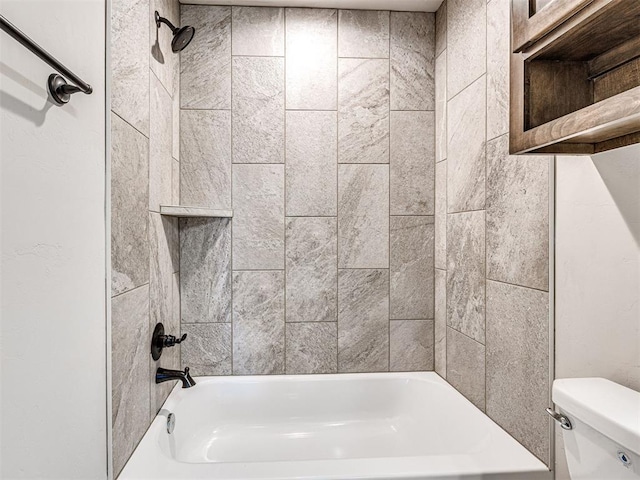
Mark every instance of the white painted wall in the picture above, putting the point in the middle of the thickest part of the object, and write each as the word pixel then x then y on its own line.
pixel 53 388
pixel 598 269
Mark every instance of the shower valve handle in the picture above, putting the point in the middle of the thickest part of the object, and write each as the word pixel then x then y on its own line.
pixel 170 340
pixel 159 341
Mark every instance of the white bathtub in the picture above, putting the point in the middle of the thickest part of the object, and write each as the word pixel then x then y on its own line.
pixel 359 426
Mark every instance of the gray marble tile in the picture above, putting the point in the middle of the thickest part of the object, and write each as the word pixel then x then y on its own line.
pixel 363 111
pixel 517 216
pixel 160 146
pixel 363 34
pixel 175 107
pixel 176 299
pixel 411 268
pixel 311 50
pixel 466 273
pixel 205 270
pixel 175 182
pixel 412 60
pixel 258 323
pixel 207 350
pixel 518 380
pixel 205 67
pixel 363 320
pixel 440 324
pixel 441 106
pixel 363 216
pixel 130 66
pixel 411 345
pixel 466 367
pixel 163 261
pixel 130 372
pixel 258 31
pixel 163 62
pixel 466 148
pixel 129 207
pixel 205 166
pixel 312 348
pixel 258 211
pixel 441 29
pixel 311 148
pixel 258 110
pixel 412 163
pixel 466 43
pixel 498 36
pixel 441 216
pixel 311 269
pixel 171 356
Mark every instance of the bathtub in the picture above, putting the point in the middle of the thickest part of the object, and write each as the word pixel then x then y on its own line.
pixel 349 426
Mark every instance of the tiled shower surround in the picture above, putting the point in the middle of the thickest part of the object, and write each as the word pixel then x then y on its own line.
pixel 144 245
pixel 492 230
pixel 317 128
pixel 364 155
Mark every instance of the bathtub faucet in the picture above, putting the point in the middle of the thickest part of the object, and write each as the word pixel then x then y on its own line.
pixel 164 375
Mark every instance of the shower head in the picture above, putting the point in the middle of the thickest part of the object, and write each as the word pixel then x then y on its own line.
pixel 182 36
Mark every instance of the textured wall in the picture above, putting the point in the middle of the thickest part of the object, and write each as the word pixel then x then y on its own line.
pixel 144 245
pixel 598 271
pixel 52 248
pixel 317 128
pixel 491 230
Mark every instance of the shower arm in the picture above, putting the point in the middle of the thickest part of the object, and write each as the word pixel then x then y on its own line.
pixel 160 20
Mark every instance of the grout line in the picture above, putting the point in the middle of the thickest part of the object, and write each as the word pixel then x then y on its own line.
pixel 446 188
pixel 257 163
pixel 206 109
pixel 464 334
pixel 486 126
pixel 129 291
pixel 412 320
pixel 466 87
pixel 284 179
pixel 337 120
pixel 230 223
pixel 517 285
pixel 466 211
pixel 130 124
pixel 311 109
pixel 362 58
pixel 389 196
pixel 257 56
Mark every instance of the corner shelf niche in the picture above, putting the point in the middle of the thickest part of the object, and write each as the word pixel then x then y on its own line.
pixel 184 211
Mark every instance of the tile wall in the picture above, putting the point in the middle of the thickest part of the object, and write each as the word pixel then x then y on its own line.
pixel 491 230
pixel 144 245
pixel 317 128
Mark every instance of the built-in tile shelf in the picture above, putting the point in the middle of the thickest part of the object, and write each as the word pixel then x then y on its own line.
pixel 183 211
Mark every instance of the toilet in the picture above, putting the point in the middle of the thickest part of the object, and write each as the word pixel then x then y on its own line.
pixel 602 435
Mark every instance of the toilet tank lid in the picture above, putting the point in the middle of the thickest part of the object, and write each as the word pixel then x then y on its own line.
pixel 609 408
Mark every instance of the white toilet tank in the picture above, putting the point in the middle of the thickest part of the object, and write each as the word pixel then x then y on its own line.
pixel 604 442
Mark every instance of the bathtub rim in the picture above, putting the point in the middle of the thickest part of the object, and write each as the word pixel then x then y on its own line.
pixel 409 467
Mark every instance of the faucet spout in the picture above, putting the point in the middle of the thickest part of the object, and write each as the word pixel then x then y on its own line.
pixel 165 374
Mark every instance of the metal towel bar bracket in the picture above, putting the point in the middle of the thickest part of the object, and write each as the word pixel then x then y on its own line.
pixel 59 90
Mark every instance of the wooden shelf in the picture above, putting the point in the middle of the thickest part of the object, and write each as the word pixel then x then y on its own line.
pixel 183 211
pixel 575 84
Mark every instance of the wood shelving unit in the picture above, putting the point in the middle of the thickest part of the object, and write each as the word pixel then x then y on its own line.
pixel 575 75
